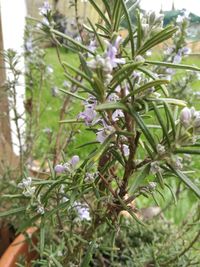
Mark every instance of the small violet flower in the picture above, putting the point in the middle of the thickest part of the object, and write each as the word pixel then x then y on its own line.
pixel 109 60
pixel 83 212
pixel 126 150
pixel 26 185
pixel 68 166
pixel 74 161
pixel 88 115
pixel 117 114
pixel 185 117
pixel 111 53
pixel 45 9
pixel 177 59
pixel 59 168
pixel 103 133
pixel 26 182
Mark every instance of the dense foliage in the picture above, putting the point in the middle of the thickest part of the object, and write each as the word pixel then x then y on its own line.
pixel 86 208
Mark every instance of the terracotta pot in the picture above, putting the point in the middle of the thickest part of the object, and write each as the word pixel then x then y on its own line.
pixel 18 248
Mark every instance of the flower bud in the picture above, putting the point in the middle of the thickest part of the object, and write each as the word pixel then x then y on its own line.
pixel 59 168
pixel 74 160
pixel 185 117
pixel 160 149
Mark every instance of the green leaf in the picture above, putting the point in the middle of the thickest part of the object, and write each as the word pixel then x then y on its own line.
pixel 139 179
pixel 139 29
pixel 160 180
pixel 88 256
pixel 157 39
pixel 12 211
pixel 97 35
pixel 168 112
pixel 79 84
pixel 99 88
pixel 127 16
pixel 187 151
pixel 111 106
pixel 108 8
pixel 78 72
pixel 100 13
pixel 102 28
pixel 186 180
pixel 118 157
pixel 153 76
pixel 151 84
pixel 116 17
pixel 51 169
pixel 172 65
pixel 55 261
pixel 162 124
pixel 73 41
pixel 85 66
pixel 88 144
pixel 42 238
pixel 130 9
pixel 123 73
pixel 144 129
pixel 172 101
pixel 172 193
pixel 72 94
pixel 72 121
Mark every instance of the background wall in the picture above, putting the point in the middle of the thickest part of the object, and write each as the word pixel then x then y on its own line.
pixel 84 8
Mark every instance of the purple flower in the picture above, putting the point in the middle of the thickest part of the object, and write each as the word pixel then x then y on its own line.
pixel 113 97
pixel 74 160
pixel 59 168
pixel 102 134
pixel 177 59
pixel 126 150
pixel 83 212
pixel 92 45
pixel 88 115
pixel 185 117
pixel 186 50
pixel 109 60
pixel 45 9
pixel 117 114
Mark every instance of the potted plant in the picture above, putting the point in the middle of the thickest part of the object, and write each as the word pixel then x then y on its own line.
pixel 137 134
pixel 20 247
